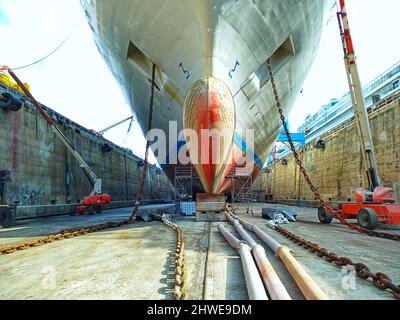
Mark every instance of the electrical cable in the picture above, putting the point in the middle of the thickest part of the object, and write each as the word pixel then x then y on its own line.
pixel 51 53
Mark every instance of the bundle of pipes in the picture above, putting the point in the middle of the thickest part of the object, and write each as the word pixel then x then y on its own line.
pixel 255 287
pixel 273 284
pixel 303 280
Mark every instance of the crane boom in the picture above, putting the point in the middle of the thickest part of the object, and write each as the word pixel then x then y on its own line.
pixel 93 179
pixel 357 98
pixel 117 124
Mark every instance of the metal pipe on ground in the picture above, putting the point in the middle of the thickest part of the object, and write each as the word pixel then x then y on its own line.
pixel 303 280
pixel 254 285
pixel 245 236
pixel 274 285
pixel 268 240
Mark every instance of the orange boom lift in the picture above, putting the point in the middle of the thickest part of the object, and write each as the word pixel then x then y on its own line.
pixel 96 199
pixel 378 203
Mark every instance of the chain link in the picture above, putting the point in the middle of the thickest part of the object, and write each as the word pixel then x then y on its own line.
pixel 61 235
pixel 149 126
pixel 180 268
pixel 379 279
pixel 307 177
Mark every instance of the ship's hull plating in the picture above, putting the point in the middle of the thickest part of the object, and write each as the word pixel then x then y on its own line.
pixel 229 40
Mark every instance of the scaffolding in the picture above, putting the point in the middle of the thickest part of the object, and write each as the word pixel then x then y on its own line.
pixel 242 188
pixel 183 183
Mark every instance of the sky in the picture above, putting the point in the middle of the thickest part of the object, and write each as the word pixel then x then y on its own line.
pixel 76 82
pixel 374 28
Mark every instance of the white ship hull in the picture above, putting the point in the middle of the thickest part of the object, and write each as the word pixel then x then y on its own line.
pixel 229 40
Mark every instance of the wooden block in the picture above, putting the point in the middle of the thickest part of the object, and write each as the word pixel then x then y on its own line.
pixel 210 216
pixel 210 202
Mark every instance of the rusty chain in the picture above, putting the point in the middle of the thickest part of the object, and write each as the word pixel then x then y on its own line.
pixel 61 235
pixel 149 126
pixel 379 279
pixel 180 269
pixel 317 195
pixel 76 232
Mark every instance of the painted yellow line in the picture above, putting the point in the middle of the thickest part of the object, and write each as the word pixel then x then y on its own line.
pixel 168 89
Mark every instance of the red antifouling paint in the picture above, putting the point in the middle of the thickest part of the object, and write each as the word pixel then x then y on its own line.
pixel 209 108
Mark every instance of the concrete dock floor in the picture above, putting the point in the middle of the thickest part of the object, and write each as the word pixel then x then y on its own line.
pixel 135 261
pixel 379 255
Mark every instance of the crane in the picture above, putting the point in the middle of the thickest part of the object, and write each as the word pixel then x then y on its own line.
pixel 377 203
pixel 101 132
pixel 357 98
pixel 96 199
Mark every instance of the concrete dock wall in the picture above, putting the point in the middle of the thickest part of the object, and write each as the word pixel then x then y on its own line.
pixel 43 172
pixel 337 170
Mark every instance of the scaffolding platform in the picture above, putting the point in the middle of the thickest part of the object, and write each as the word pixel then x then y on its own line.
pixel 242 188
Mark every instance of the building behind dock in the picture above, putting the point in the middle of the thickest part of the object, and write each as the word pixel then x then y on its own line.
pixel 339 110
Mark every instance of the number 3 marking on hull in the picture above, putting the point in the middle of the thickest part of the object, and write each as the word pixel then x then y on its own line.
pixel 187 74
pixel 232 71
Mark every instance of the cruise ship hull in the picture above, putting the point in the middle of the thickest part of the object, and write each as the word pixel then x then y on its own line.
pixel 227 40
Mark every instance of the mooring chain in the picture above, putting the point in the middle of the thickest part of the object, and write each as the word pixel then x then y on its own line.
pixel 76 232
pixel 379 279
pixel 180 268
pixel 146 156
pixel 61 235
pixel 307 177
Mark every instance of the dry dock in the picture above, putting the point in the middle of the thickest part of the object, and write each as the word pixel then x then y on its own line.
pixel 45 179
pixel 135 261
pixel 336 169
